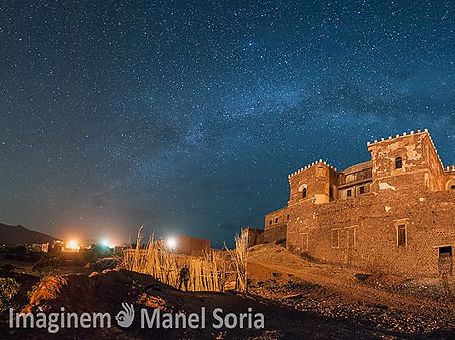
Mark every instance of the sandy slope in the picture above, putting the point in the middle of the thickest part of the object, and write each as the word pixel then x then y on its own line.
pixel 386 300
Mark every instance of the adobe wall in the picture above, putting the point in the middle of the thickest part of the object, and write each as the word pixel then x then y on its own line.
pixel 422 167
pixel 193 246
pixel 276 218
pixel 253 236
pixel 317 178
pixel 275 234
pixel 275 226
pixel 429 219
pixel 449 177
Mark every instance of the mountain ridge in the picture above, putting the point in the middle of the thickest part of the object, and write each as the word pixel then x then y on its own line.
pixel 19 235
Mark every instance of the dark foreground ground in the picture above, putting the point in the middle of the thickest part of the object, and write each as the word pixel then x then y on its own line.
pixel 299 300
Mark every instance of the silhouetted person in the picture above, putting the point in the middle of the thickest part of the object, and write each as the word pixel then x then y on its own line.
pixel 184 277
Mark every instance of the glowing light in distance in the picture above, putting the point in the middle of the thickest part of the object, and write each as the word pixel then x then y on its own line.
pixel 73 245
pixel 171 243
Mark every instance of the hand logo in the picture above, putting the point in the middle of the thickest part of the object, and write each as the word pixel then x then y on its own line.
pixel 126 316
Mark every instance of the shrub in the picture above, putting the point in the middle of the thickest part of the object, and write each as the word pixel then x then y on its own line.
pixel 9 288
pixel 47 263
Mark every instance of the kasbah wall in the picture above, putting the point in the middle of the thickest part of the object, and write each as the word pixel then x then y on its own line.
pixel 394 213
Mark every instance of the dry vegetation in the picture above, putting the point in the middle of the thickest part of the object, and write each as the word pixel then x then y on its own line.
pixel 239 257
pixel 211 272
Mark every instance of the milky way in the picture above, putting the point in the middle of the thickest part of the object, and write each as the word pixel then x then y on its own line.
pixel 187 116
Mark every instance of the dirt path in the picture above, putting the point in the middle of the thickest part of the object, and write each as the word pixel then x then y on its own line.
pixel 359 292
pixel 339 280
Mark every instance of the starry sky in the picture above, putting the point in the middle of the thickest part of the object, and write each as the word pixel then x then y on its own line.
pixel 187 116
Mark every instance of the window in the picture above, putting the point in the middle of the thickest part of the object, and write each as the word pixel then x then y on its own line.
pixel 276 220
pixel 349 193
pixel 336 238
pixel 350 237
pixel 287 217
pixel 445 260
pixel 398 163
pixel 452 187
pixel 361 190
pixel 303 189
pixel 445 251
pixel 304 242
pixel 350 178
pixel 401 235
pixel 270 222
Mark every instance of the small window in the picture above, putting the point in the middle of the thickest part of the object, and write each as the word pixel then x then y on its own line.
pixel 304 242
pixel 398 163
pixel 350 237
pixel 361 190
pixel 350 178
pixel 452 187
pixel 445 260
pixel 304 193
pixel 270 222
pixel 287 217
pixel 445 251
pixel 349 193
pixel 336 238
pixel 276 220
pixel 401 235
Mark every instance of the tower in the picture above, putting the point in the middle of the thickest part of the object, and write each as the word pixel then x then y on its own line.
pixel 406 162
pixel 315 182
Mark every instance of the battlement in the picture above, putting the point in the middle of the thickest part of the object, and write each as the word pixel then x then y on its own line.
pixel 377 142
pixel 405 134
pixel 436 150
pixel 417 168
pixel 320 161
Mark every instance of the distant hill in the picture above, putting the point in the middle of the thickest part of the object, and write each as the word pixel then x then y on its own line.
pixel 19 235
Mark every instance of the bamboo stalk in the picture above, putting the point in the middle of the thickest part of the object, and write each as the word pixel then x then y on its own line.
pixel 207 272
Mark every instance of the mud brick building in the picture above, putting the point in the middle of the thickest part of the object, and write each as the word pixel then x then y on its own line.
pixel 253 235
pixel 395 212
pixel 188 245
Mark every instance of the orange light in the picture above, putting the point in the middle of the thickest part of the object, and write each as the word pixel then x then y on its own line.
pixel 72 245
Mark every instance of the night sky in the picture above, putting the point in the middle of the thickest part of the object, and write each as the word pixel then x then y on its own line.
pixel 187 116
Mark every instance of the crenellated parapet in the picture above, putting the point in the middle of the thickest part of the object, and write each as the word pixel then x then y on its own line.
pixel 308 166
pixel 391 138
pixel 404 135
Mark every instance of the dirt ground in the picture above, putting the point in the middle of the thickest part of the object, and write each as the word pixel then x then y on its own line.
pixel 299 299
pixel 373 304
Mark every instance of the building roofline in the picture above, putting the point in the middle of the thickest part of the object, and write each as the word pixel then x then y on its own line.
pixel 405 134
pixel 365 163
pixel 320 161
pixel 369 143
pixel 274 211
